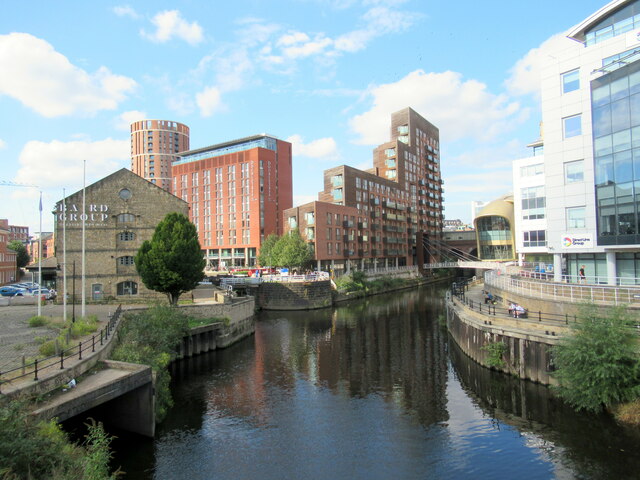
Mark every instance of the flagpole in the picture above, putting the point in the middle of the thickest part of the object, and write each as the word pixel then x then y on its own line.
pixel 84 217
pixel 40 261
pixel 64 255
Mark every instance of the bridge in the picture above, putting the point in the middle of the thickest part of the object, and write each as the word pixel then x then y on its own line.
pixel 476 264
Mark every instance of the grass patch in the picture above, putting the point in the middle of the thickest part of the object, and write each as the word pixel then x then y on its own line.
pixel 38 321
pixel 629 413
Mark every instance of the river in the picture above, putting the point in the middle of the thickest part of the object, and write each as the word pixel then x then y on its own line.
pixel 370 390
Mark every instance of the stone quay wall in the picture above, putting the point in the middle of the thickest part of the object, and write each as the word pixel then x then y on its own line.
pixel 238 324
pixel 294 295
pixel 528 352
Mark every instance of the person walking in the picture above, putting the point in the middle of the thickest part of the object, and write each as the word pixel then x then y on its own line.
pixel 583 278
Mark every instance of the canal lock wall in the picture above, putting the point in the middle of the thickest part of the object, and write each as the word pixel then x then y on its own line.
pixel 527 353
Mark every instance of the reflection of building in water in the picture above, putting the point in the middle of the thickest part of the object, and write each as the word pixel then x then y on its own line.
pixel 395 352
pixel 548 422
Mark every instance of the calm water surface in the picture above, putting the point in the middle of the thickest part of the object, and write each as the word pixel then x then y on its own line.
pixel 371 390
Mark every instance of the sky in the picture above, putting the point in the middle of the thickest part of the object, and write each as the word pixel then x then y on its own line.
pixel 322 74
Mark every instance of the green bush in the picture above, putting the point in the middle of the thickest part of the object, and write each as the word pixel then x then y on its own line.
pixel 597 365
pixel 151 338
pixel 48 348
pixel 38 321
pixel 33 449
pixel 495 351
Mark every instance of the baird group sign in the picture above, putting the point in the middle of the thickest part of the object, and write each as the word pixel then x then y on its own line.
pixel 95 214
pixel 574 242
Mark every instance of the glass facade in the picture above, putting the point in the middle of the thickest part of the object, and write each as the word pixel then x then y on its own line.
pixel 615 102
pixel 495 238
pixel 622 21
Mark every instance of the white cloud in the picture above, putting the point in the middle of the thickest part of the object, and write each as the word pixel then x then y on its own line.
pixel 58 164
pixel 170 24
pixel 323 148
pixel 125 11
pixel 524 76
pixel 45 81
pixel 459 108
pixel 124 120
pixel 209 101
pixel 3 144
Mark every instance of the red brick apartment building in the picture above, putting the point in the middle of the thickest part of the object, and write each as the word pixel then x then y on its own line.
pixel 48 246
pixel 19 233
pixel 155 145
pixel 379 217
pixel 8 265
pixel 237 192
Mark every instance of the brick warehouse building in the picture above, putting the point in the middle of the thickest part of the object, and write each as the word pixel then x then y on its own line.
pixel 155 145
pixel 379 217
pixel 237 192
pixel 122 211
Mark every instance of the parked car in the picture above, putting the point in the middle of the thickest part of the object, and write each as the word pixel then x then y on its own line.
pixel 10 291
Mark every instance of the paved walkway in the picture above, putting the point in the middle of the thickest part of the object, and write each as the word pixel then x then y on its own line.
pixel 18 339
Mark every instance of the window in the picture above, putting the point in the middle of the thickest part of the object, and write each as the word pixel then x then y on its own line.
pixel 574 172
pixel 126 218
pixel 533 203
pixel 293 222
pixel 127 288
pixel 535 238
pixel 126 236
pixel 575 217
pixel 571 81
pixel 572 126
pixel 532 170
pixel 126 260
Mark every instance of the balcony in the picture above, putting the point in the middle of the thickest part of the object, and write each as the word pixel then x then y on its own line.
pixel 391 252
pixel 422 182
pixel 363 238
pixel 376 239
pixel 422 192
pixel 348 238
pixel 375 252
pixel 348 224
pixel 401 218
pixel 389 216
pixel 375 226
pixel 375 214
pixel 363 225
pixel 389 204
pixel 374 201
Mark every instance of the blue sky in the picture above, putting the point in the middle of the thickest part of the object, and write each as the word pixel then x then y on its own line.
pixel 323 74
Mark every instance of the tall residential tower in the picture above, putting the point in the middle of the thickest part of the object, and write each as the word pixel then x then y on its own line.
pixel 155 145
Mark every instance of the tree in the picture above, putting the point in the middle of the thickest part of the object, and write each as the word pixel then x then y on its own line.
pixel 598 364
pixel 171 262
pixel 291 250
pixel 22 259
pixel 265 257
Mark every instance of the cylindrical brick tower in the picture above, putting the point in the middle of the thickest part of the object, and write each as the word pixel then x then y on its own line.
pixel 155 144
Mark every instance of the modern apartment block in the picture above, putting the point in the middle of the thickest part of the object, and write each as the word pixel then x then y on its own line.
pixel 591 116
pixel 237 193
pixel 155 145
pixel 379 217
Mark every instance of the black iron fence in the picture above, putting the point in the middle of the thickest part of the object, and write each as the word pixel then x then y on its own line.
pixel 38 365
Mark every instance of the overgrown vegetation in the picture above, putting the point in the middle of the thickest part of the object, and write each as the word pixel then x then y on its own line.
pixel 357 282
pixel 151 338
pixel 495 352
pixel 38 321
pixel 67 331
pixel 289 250
pixel 31 449
pixel 598 364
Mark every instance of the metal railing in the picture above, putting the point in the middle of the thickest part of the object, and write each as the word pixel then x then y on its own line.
pixel 470 264
pixel 312 277
pixel 37 366
pixel 571 292
pixel 589 280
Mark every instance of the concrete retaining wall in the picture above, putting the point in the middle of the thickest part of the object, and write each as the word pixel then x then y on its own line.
pixel 294 295
pixel 527 355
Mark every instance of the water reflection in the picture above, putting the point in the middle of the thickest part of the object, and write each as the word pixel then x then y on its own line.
pixel 372 389
pixel 589 445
